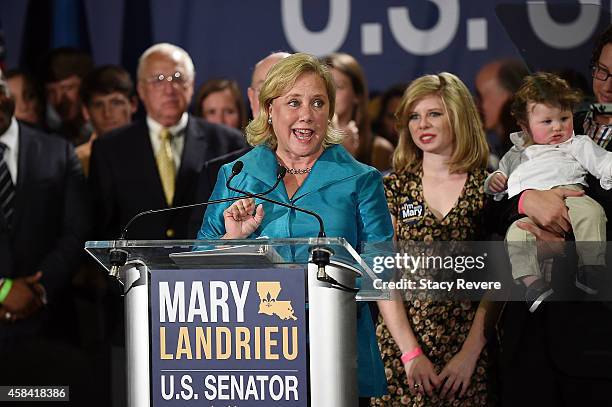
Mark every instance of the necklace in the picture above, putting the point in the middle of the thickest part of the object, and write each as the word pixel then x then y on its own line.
pixel 295 171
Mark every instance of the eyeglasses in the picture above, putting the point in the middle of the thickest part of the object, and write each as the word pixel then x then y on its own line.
pixel 600 73
pixel 177 79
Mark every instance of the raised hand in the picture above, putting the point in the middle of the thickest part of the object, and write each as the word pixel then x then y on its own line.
pixel 242 218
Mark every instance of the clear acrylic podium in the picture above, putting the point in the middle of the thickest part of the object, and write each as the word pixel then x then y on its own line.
pixel 332 338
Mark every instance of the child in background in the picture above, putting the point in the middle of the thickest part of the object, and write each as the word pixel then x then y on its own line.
pixel 546 154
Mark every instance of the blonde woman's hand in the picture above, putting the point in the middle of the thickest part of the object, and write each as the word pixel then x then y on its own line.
pixel 242 218
pixel 422 377
pixel 457 374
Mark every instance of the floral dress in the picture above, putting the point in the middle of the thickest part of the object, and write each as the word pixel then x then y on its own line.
pixel 441 327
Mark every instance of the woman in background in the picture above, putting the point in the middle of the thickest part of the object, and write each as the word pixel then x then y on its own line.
pixel 220 101
pixel 433 350
pixel 352 113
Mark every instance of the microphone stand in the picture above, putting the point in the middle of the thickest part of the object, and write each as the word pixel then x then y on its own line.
pixel 118 257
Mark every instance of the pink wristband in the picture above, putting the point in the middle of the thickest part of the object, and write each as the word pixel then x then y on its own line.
pixel 521 211
pixel 408 356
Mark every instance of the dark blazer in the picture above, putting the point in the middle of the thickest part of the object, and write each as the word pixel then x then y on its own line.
pixel 51 221
pixel 124 179
pixel 566 341
pixel 574 335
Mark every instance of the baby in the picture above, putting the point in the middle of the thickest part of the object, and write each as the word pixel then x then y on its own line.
pixel 546 154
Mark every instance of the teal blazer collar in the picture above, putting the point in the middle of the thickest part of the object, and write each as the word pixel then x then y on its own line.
pixel 333 166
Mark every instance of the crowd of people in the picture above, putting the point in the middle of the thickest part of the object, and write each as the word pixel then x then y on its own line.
pixel 77 163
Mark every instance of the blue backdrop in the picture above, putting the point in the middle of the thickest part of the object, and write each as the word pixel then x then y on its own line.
pixel 395 40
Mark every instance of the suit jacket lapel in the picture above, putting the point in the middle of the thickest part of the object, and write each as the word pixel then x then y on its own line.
pixel 141 145
pixel 28 149
pixel 192 161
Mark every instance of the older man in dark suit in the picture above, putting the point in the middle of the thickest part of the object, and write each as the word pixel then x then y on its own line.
pixel 155 163
pixel 152 164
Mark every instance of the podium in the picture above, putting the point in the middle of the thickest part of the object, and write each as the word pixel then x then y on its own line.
pixel 240 322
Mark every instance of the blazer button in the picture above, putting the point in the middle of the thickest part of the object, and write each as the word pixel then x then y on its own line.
pixel 169 232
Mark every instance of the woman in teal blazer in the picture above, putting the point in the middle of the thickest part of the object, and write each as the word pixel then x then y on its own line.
pixel 293 130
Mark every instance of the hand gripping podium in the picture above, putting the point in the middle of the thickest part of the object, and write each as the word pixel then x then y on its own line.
pixel 240 322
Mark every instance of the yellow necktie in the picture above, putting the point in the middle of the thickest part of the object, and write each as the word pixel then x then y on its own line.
pixel 165 165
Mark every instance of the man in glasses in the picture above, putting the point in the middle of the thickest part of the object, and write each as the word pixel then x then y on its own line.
pixel 561 355
pixel 601 65
pixel 154 163
pixel 547 207
pixel 596 122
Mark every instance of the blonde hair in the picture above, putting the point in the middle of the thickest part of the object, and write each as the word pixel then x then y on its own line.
pixel 470 146
pixel 280 79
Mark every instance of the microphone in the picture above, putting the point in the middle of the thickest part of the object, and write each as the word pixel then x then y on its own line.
pixel 320 254
pixel 238 167
pixel 118 257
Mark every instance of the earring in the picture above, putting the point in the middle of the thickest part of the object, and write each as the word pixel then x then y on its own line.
pixel 269 119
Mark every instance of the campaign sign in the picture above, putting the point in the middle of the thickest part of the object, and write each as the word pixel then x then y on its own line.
pixel 228 338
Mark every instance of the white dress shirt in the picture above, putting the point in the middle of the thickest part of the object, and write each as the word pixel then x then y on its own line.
pixel 177 142
pixel 544 167
pixel 11 154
